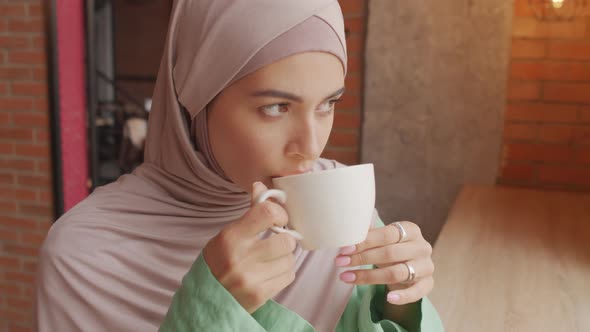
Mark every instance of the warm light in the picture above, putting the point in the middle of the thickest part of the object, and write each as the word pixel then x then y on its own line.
pixel 557 3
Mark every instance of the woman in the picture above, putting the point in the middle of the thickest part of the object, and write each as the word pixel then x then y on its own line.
pixel 245 92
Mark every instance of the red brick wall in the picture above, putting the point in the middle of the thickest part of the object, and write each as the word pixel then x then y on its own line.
pixel 25 175
pixel 547 121
pixel 344 143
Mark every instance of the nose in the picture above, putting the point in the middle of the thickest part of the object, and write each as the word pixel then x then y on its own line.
pixel 305 142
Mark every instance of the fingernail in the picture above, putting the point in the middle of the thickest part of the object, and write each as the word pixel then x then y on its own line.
pixel 347 250
pixel 343 261
pixel 393 297
pixel 348 277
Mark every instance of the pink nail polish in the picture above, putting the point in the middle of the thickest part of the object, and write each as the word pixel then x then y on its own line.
pixel 393 297
pixel 347 250
pixel 343 261
pixel 348 277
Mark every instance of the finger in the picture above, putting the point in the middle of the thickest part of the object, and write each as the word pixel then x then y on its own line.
pixel 390 275
pixel 411 294
pixel 257 189
pixel 274 247
pixel 378 237
pixel 276 268
pixel 391 254
pixel 275 285
pixel 261 217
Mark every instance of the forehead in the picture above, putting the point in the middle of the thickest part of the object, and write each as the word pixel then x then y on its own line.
pixel 306 74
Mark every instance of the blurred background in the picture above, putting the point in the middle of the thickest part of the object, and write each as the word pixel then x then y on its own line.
pixel 439 94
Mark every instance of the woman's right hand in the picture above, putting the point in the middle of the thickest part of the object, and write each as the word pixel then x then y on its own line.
pixel 251 269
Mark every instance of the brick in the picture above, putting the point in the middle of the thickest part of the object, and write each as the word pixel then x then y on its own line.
pixel 19 303
pixel 32 150
pixel 347 157
pixel 352 7
pixel 29 89
pixel 15 73
pixel 17 223
pixel 582 156
pixel 33 238
pixel 518 172
pixel 6 148
pixel 343 139
pixel 35 10
pixel 522 8
pixel 517 131
pixel 31 120
pixel 27 278
pixel 27 58
pixel 3 88
pixel 12 10
pixel 7 207
pixel 567 92
pixel 536 152
pixel 355 44
pixel 556 133
pixel 33 180
pixel 40 73
pixel 30 267
pixel 46 196
pixel 355 63
pixel 41 136
pixel 569 50
pixel 7 178
pixel 19 194
pixel 530 27
pixel 355 25
pixel 16 134
pixel 542 112
pixel 9 289
pixel 25 25
pixel 15 104
pixel 25 251
pixel 349 102
pixel 14 42
pixel 529 49
pixel 9 262
pixel 19 164
pixel 5 118
pixel 564 175
pixel 347 120
pixel 41 210
pixel 8 235
pixel 581 135
pixel 353 83
pixel 41 104
pixel 559 71
pixel 43 166
pixel 523 90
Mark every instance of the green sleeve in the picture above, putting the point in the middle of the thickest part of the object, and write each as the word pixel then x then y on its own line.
pixel 203 304
pixel 364 313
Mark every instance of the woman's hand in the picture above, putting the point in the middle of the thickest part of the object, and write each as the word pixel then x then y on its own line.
pixel 394 258
pixel 251 269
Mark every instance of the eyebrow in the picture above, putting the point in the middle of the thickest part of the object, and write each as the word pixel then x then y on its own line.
pixel 290 96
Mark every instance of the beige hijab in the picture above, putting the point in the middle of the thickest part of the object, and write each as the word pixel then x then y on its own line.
pixel 114 261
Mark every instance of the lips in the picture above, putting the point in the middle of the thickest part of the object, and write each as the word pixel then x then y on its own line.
pixel 297 172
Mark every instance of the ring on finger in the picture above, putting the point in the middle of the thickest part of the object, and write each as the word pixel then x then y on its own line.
pixel 411 273
pixel 403 235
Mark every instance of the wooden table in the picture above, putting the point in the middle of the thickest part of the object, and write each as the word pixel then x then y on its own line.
pixel 514 260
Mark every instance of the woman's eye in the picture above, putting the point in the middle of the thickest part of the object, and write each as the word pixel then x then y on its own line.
pixel 275 109
pixel 327 106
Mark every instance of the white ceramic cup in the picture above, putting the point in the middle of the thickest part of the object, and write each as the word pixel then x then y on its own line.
pixel 326 209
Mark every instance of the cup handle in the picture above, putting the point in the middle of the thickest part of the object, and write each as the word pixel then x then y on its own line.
pixel 280 196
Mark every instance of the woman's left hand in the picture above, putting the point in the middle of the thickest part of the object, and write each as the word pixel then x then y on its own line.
pixel 394 257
